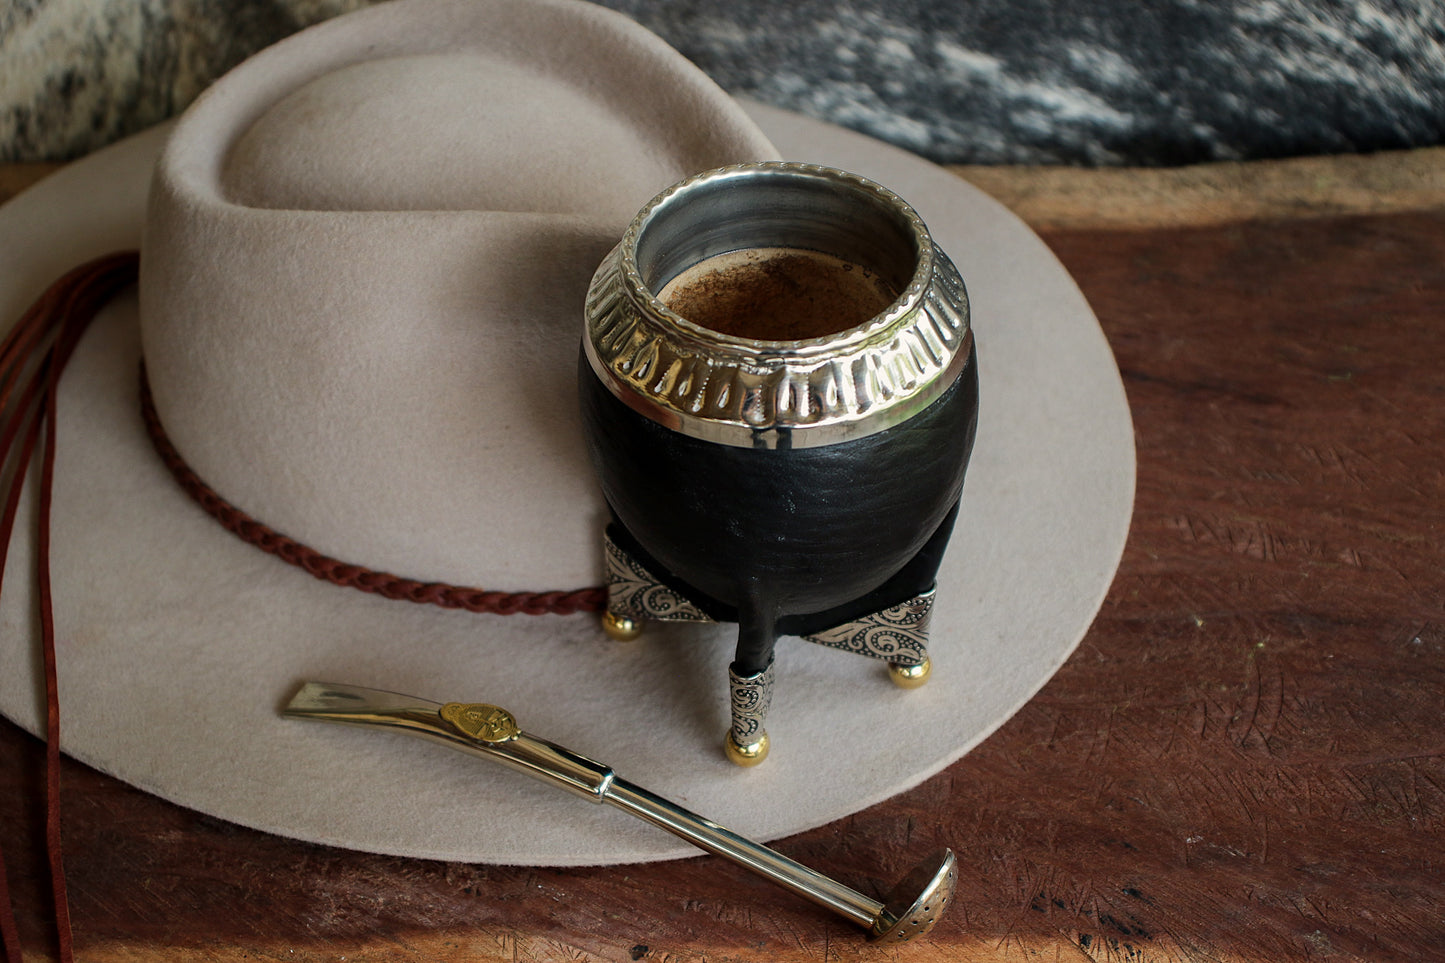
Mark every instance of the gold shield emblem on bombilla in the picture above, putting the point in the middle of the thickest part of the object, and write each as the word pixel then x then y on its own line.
pixel 479 720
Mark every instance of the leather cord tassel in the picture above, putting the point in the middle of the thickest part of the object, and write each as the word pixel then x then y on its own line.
pixel 32 359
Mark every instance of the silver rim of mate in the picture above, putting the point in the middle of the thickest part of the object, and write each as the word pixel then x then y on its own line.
pixel 759 393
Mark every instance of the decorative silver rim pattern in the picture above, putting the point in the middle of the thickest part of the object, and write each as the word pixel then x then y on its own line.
pixel 745 392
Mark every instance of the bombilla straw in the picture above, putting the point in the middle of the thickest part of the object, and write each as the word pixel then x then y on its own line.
pixel 911 909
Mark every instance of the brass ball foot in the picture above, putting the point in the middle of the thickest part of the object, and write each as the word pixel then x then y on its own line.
pixel 621 628
pixel 746 754
pixel 910 676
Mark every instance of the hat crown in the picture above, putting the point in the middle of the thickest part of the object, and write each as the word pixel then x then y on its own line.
pixel 444 132
pixel 375 238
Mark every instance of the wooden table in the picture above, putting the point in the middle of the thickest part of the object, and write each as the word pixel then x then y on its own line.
pixel 1243 761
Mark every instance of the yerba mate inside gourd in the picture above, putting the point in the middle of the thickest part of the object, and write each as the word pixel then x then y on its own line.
pixel 778 294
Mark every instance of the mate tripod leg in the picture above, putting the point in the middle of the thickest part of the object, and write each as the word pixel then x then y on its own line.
pixel 750 682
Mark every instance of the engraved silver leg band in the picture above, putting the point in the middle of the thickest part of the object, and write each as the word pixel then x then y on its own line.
pixel 635 593
pixel 897 634
pixel 750 696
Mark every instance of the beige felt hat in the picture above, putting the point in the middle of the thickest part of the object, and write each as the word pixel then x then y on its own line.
pixel 364 259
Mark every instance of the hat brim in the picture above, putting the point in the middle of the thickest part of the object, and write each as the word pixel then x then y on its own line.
pixel 177 643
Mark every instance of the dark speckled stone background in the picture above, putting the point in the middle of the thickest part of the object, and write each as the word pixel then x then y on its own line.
pixel 1091 82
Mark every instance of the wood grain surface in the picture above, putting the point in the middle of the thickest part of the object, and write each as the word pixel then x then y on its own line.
pixel 1244 760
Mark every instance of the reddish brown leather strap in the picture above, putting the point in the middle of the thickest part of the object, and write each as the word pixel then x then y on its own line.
pixel 17 465
pixel 345 573
pixel 32 357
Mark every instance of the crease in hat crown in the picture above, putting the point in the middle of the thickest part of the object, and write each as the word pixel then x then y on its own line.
pixel 742 391
pixel 327 368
